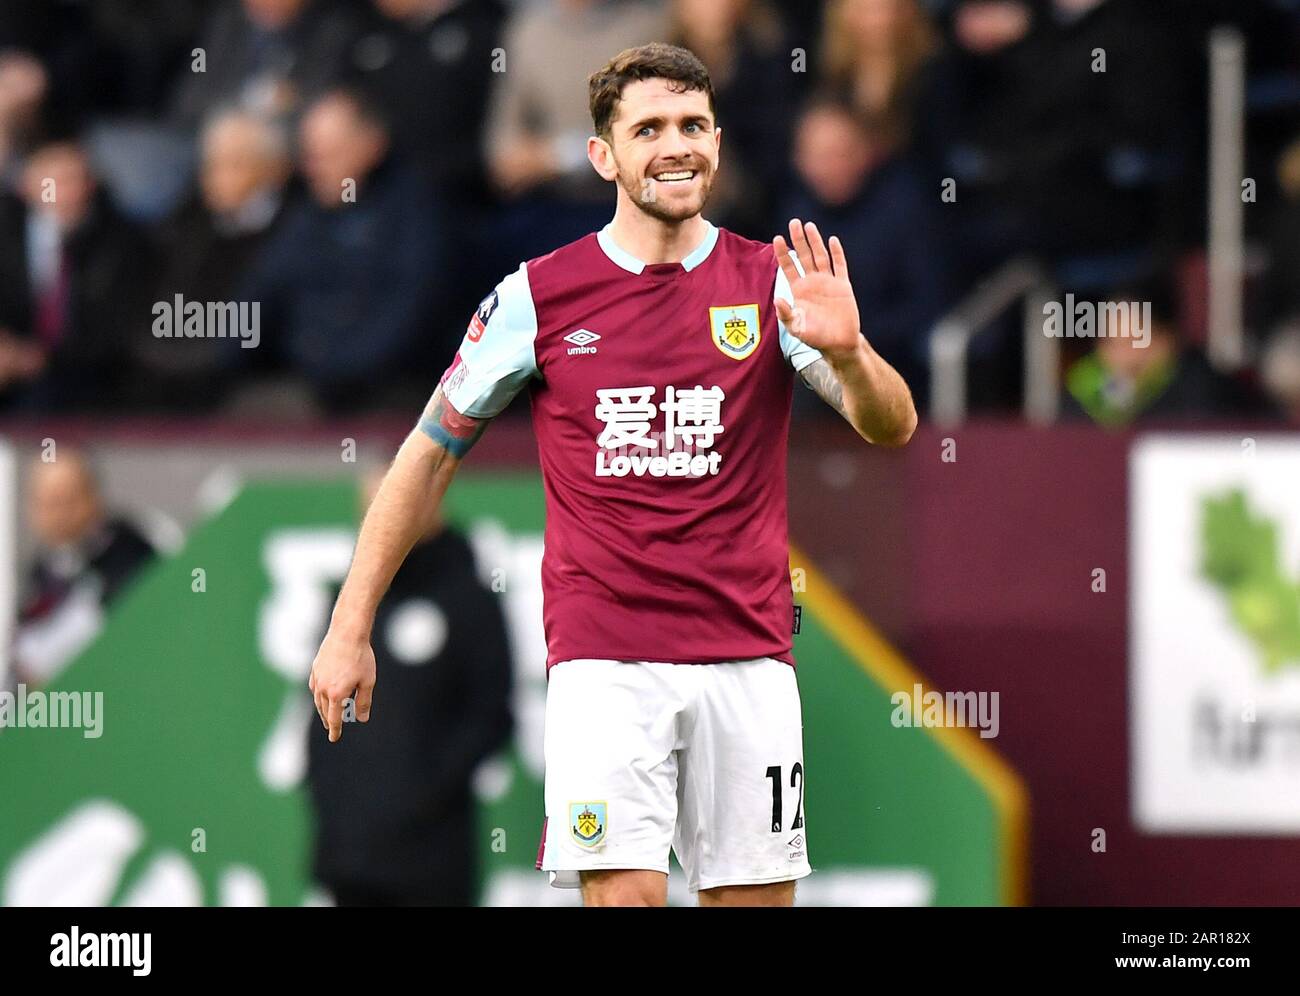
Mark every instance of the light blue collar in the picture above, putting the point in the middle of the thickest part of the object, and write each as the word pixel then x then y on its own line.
pixel 633 265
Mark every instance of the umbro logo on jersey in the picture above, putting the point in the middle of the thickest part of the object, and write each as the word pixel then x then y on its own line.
pixel 582 341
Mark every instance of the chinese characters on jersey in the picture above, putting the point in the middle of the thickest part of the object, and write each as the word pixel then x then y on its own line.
pixel 628 444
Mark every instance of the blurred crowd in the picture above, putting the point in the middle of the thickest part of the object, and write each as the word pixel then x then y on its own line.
pixel 366 170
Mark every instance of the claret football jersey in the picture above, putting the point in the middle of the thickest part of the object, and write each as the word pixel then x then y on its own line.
pixel 661 405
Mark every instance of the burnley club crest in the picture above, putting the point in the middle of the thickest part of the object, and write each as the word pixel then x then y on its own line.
pixel 587 822
pixel 734 329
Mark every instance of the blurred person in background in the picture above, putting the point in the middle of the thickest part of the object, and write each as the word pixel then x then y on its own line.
pixel 272 57
pixel 1121 381
pixel 961 125
pixel 61 37
pixel 428 63
pixel 538 121
pixel 1065 125
pixel 137 55
pixel 346 284
pixel 742 43
pixel 102 56
pixel 142 49
pixel 204 251
pixel 70 287
pixel 852 181
pixel 395 804
pixel 875 51
pixel 85 559
pixel 23 88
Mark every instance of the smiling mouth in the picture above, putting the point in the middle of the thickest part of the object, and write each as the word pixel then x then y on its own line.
pixel 676 176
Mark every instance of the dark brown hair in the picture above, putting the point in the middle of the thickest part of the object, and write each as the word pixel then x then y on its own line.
pixel 656 61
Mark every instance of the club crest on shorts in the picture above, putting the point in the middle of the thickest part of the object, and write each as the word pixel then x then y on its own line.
pixel 734 329
pixel 587 822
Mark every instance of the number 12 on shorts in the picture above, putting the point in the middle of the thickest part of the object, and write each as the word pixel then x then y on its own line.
pixel 796 781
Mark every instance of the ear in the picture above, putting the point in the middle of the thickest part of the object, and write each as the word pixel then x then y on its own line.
pixel 601 157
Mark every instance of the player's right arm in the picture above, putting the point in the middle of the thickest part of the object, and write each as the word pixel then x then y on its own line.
pixel 402 511
pixel 495 360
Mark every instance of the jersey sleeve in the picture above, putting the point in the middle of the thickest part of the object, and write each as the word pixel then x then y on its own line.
pixel 799 354
pixel 497 356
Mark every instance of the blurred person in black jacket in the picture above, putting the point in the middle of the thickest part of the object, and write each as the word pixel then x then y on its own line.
pixel 428 63
pixel 1065 124
pixel 86 558
pixel 70 286
pixel 395 803
pixel 348 285
pixel 204 251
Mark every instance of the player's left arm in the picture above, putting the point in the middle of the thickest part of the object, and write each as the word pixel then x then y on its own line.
pixel 849 375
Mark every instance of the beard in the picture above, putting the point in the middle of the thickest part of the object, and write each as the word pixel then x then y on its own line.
pixel 663 210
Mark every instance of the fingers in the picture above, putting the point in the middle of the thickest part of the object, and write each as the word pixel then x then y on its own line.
pixel 317 697
pixel 800 242
pixel 337 685
pixel 791 317
pixel 322 707
pixel 811 252
pixel 821 259
pixel 364 693
pixel 335 719
pixel 783 310
pixel 838 258
pixel 330 708
pixel 784 261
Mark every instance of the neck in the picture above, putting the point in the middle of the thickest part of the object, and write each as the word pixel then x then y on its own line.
pixel 652 240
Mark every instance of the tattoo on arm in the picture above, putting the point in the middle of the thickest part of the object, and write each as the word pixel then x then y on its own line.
pixel 819 376
pixel 454 432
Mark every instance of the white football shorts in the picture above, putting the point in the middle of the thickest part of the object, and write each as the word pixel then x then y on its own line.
pixel 704 758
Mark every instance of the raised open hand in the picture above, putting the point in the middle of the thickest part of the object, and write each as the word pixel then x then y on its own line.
pixel 825 312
